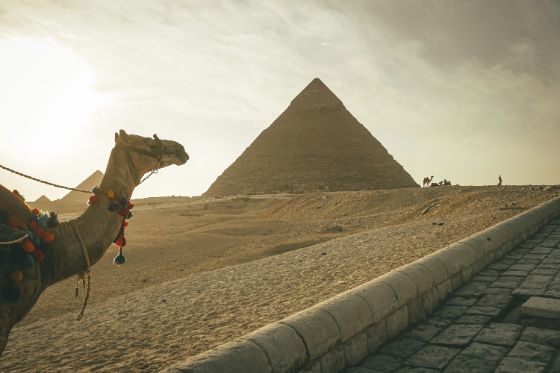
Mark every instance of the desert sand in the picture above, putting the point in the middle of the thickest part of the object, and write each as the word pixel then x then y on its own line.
pixel 203 271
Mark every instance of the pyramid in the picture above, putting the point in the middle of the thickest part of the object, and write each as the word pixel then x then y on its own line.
pixel 43 199
pixel 315 144
pixel 42 203
pixel 88 184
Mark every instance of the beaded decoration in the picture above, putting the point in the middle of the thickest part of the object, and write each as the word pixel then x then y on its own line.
pixel 121 206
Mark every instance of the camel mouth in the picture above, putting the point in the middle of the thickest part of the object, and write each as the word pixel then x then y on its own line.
pixel 183 158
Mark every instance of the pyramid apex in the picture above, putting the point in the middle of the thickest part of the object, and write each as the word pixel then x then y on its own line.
pixel 316 94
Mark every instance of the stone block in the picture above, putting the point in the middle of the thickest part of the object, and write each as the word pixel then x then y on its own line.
pixel 457 335
pixel 355 350
pixel 532 351
pixel 473 319
pixel 467 274
pixel 439 322
pixel 435 266
pixel 456 257
pixel 483 263
pixel 451 312
pixel 333 362
pixel 282 345
pixel 403 287
pixel 434 357
pixel 466 364
pixel 498 291
pixel 461 301
pixel 444 289
pixel 430 300
pixel 382 362
pixel 420 276
pixel 496 300
pixel 485 351
pixel 416 311
pixel 484 278
pixel 351 313
pixel 376 335
pixel 456 280
pixel 317 328
pixel 235 356
pixel 547 337
pixel 423 332
pixel 548 308
pixel 486 241
pixel 484 310
pixel 380 298
pixel 402 347
pixel 313 367
pixel 397 322
pixel 500 334
pixel 523 225
pixel 472 289
pixel 514 365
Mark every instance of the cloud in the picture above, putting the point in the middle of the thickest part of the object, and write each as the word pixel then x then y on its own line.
pixel 443 85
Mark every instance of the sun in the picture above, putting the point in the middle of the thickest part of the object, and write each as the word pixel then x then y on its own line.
pixel 47 94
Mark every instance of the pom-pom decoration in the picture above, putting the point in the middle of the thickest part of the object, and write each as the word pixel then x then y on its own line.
pixel 119 259
pixel 93 200
pixel 28 246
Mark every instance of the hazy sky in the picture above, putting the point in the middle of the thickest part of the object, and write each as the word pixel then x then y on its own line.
pixel 464 90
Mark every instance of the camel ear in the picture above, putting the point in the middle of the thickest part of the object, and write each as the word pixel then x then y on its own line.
pixel 116 137
pixel 124 138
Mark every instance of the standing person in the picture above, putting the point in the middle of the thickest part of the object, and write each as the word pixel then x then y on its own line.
pixel 499 180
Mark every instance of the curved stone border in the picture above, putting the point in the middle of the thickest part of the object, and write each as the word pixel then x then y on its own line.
pixel 343 330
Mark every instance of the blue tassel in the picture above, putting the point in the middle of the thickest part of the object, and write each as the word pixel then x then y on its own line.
pixel 119 259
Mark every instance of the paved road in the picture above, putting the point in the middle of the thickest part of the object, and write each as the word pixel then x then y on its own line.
pixel 481 327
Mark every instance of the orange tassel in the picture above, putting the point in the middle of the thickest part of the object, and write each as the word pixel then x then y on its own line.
pixel 28 246
pixel 48 237
pixel 39 255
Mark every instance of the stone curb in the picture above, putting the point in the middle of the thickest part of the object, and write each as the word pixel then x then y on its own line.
pixel 346 328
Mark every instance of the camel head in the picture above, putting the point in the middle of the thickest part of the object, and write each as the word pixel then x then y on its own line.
pixel 146 154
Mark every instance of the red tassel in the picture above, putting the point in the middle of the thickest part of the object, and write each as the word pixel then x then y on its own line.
pixel 39 255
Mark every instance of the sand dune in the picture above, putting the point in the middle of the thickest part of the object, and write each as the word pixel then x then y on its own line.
pixel 200 272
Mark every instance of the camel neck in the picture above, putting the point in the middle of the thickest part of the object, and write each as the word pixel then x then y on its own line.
pixel 97 226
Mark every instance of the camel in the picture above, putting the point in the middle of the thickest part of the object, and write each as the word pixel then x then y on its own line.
pixel 95 230
pixel 444 182
pixel 427 181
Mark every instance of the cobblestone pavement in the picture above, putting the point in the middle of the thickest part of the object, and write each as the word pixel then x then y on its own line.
pixel 482 327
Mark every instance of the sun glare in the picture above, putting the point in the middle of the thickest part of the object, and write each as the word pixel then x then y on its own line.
pixel 46 93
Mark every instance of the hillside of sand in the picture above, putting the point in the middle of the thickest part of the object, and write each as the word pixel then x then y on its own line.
pixel 201 272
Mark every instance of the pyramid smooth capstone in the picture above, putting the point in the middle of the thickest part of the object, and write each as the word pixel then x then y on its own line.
pixel 314 145
pixel 548 308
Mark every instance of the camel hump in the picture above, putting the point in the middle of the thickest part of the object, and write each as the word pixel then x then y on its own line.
pixel 13 205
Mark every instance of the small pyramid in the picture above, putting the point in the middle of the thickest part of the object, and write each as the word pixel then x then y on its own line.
pixel 88 184
pixel 42 199
pixel 42 203
pixel 315 144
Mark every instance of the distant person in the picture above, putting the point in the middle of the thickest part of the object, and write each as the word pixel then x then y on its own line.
pixel 499 180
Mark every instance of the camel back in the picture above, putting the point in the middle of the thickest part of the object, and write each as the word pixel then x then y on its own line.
pixel 16 207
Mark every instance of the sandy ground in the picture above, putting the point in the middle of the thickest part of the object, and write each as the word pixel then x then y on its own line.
pixel 201 272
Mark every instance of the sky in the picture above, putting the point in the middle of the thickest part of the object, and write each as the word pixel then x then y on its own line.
pixel 463 90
